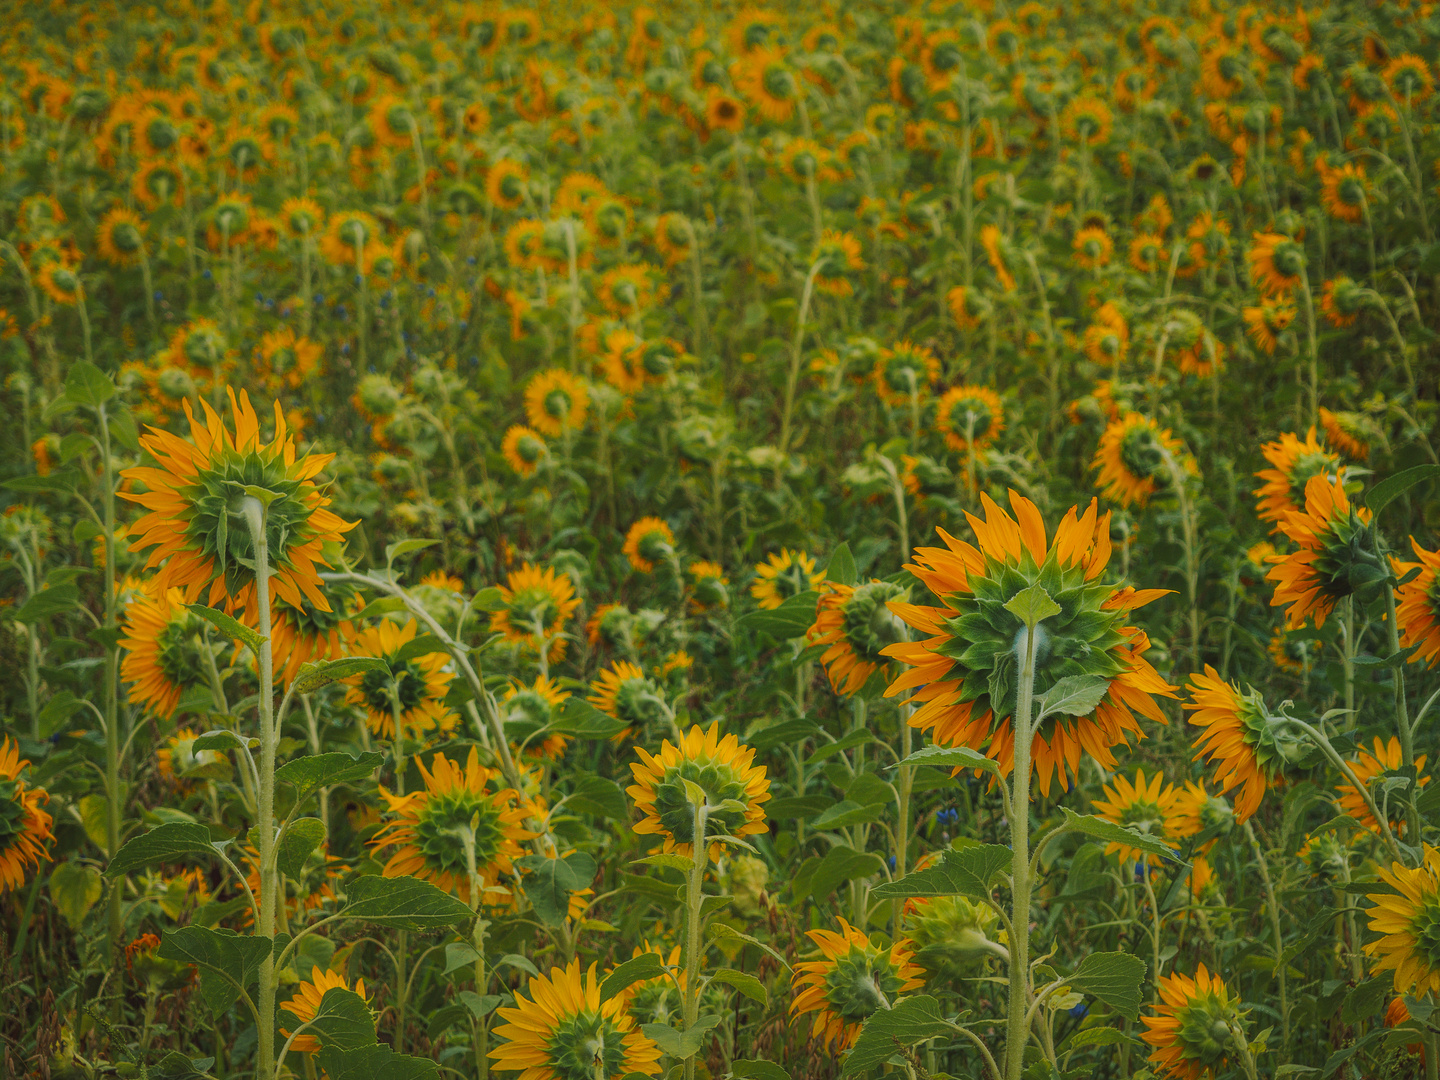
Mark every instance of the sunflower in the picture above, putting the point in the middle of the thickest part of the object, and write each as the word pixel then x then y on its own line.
pixel 120 239
pixel 288 359
pixel 535 706
pixel 198 346
pixel 1107 339
pixel 178 758
pixel 1143 806
pixel 1191 1031
pixel 523 245
pixel 1087 120
pixel 1342 300
pixel 304 633
pixel 627 290
pixel 1132 457
pixel 1369 767
pixel 1409 78
pixel 905 371
pixel 673 237
pixel 624 361
pixel 970 417
pixel 1345 431
pixel 563 1031
pixel 505 184
pixel 1409 919
pixel 24 827
pixel 524 448
pixel 990 240
pixel 1344 192
pixel 1147 252
pixel 556 401
pixel 764 80
pixel 1337 555
pixel 1092 247
pixel 710 588
pixel 306 1003
pixel 351 239
pixel 852 981
pixel 61 282
pixel 414 686
pixel 784 574
pixel 735 790
pixel 970 701
pixel 1266 322
pixel 856 623
pixel 535 606
pixel 836 254
pixel 190 530
pixel 164 650
pixel 1238 736
pixel 427 826
pixel 959 301
pixel 1417 606
pixel 1276 263
pixel 648 542
pixel 1197 811
pixel 724 112
pixel 1293 463
pixel 623 691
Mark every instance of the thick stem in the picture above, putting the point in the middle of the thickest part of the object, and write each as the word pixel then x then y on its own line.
pixel 694 898
pixel 1015 1031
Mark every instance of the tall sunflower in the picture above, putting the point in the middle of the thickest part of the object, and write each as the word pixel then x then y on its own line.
pixel 1131 459
pixel 767 83
pixel 556 401
pixel 523 449
pixel 784 574
pixel 536 605
pixel 722 768
pixel 856 623
pixel 426 828
pixel 1336 557
pixel 1292 463
pixel 414 685
pixel 193 531
pixel 964 668
pixel 1238 736
pixel 1276 263
pixel 1368 767
pixel 851 981
pixel 1409 921
pixel 306 1003
pixel 164 650
pixel 563 1031
pixel 1145 806
pixel 1191 1029
pixel 24 826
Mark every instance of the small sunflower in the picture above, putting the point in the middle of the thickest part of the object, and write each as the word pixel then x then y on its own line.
pixel 524 448
pixel 1107 339
pixel 287 358
pixel 963 667
pixel 178 758
pixel 24 826
pixel 505 184
pixel 1147 252
pixel 1087 120
pixel 191 530
pixel 1293 462
pixel 836 254
pixel 852 981
pixel 563 1031
pixel 724 112
pixel 970 417
pixel 1290 654
pixel 1238 736
pixel 1409 920
pixel 905 371
pixel 784 574
pixel 1276 263
pixel 350 240
pixel 556 401
pixel 673 238
pixel 534 706
pixel 764 79
pixel 735 790
pixel 992 241
pixel 626 693
pixel 304 633
pixel 1132 456
pixel 1266 322
pixel 649 541
pixel 710 588
pixel 1145 806
pixel 536 604
pixel 856 623
pixel 61 282
pixel 1344 192
pixel 627 290
pixel 960 301
pixel 306 1003
pixel 1342 300
pixel 1368 767
pixel 164 650
pixel 1092 248
pixel 1345 431
pixel 414 686
pixel 120 239
pixel 1191 1031
pixel 1336 557
pixel 427 828
pixel 1408 77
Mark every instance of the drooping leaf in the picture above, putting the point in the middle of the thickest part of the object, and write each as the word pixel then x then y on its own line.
pixel 1074 695
pixel 910 1022
pixel 847 812
pixel 231 627
pixel 74 889
pixel 581 720
pixel 1366 999
pixel 86 384
pixel 300 838
pixel 56 600
pixel 227 962
pixel 793 731
pixel 459 954
pixel 842 569
pixel 223 741
pixel 177 1066
pixel 756 1069
pixel 343 1021
pixel 405 547
pixel 164 843
pixel 747 984
pixel 597 795
pixel 789 620
pixel 1112 833
pixel 954 756
pixel 641 968
pixel 841 864
pixel 550 882
pixel 970 871
pixel 318 673
pixel 479 1006
pixel 681 1044
pixel 404 903
pixel 58 710
pixel 1113 977
pixel 1392 487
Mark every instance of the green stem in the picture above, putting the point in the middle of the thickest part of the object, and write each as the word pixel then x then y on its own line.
pixel 1273 910
pixel 115 921
pixel 1015 1031
pixel 694 898
pixel 1402 718
pixel 792 379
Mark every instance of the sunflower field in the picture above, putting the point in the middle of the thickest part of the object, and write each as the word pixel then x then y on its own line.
pixel 587 541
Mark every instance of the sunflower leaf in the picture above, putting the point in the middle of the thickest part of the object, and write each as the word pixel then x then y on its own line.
pixel 680 1044
pixel 229 626
pixel 911 1021
pixel 164 843
pixel 1074 695
pixel 1032 606
pixel 405 547
pixel 1118 834
pixel 581 720
pixel 842 569
pixel 969 871
pixel 423 645
pixel 959 756
pixel 405 903
pixel 318 673
pixel 55 600
pixel 1114 978
pixel 297 843
pixel 377 1062
pixel 87 385
pixel 228 963
pixel 550 882
pixel 641 968
pixel 789 620
pixel 310 774
pixel 747 984
pixel 1392 487
pixel 343 1021
pixel 757 1069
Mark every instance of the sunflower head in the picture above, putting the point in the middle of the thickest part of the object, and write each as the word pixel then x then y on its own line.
pixel 306 1003
pixel 851 981
pixel 1338 555
pixel 1348 431
pixel 24 826
pixel 1326 856
pixel 710 588
pixel 530 709
pixel 536 604
pixel 524 448
pixel 410 687
pixel 970 417
pixel 904 372
pixel 1191 1031
pixel 1408 920
pixel 857 625
pixel 1293 462
pixel 648 542
pixel 953 935
pixel 706 778
pixel 966 667
pixel 1371 767
pixel 1251 748
pixel 626 693
pixel 1132 459
pixel 166 650
pixel 784 574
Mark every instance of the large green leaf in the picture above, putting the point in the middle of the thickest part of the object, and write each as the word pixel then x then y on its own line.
pixel 842 863
pixel 403 903
pixel 970 871
pixel 955 756
pixel 86 384
pixel 164 843
pixel 1392 487
pixel 56 600
pixel 641 968
pixel 227 962
pixel 789 620
pixel 550 882
pixel 746 983
pixel 581 720
pixel 681 1044
pixel 911 1021
pixel 231 627
pixel 74 888
pixel 310 774
pixel 1114 978
pixel 176 1066
pixel 375 1063
pixel 757 1069
pixel 1074 695
pixel 318 673
pixel 597 795
pixel 847 812
pixel 1118 834
pixel 1032 605
pixel 300 838
pixel 842 569
pixel 343 1021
